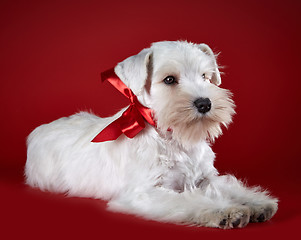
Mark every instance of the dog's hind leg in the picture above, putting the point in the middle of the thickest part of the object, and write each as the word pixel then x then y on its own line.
pixel 188 207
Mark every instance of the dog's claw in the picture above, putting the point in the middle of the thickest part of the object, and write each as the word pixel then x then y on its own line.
pixel 223 222
pixel 261 218
pixel 236 223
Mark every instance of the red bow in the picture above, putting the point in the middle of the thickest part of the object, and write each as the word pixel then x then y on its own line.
pixel 131 121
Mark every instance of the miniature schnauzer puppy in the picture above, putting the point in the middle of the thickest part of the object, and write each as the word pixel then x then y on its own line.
pixel 166 172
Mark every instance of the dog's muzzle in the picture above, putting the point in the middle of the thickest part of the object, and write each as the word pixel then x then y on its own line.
pixel 203 105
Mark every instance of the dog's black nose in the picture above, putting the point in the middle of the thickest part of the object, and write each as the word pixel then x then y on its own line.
pixel 203 104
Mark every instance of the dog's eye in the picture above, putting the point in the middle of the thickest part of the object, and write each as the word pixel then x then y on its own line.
pixel 206 78
pixel 169 80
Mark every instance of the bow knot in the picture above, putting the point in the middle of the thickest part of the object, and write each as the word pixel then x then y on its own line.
pixel 132 120
pixel 132 97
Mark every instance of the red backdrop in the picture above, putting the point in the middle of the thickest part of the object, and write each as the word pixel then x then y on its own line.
pixel 52 53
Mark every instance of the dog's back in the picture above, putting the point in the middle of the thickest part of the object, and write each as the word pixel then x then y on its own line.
pixel 59 157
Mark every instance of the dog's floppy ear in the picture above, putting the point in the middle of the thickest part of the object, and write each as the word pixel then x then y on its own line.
pixel 216 77
pixel 133 71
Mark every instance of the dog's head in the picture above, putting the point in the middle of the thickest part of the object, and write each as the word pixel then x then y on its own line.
pixel 179 81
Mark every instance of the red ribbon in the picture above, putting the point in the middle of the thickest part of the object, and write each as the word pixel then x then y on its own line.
pixel 131 121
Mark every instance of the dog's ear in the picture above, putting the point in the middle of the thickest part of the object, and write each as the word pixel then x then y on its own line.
pixel 216 77
pixel 133 71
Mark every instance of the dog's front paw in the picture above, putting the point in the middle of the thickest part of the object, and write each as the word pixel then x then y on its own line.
pixel 233 217
pixel 263 212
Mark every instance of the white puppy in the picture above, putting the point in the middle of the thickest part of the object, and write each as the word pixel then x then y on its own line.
pixel 166 172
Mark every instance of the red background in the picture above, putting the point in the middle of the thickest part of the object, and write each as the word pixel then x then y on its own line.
pixel 52 53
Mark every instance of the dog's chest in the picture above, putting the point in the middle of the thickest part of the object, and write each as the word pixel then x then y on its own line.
pixel 181 169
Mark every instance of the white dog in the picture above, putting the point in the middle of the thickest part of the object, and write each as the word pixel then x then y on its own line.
pixel 165 172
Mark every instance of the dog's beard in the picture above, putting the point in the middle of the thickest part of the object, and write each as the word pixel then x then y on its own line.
pixel 187 125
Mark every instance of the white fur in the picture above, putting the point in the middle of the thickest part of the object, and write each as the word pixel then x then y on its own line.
pixel 159 174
